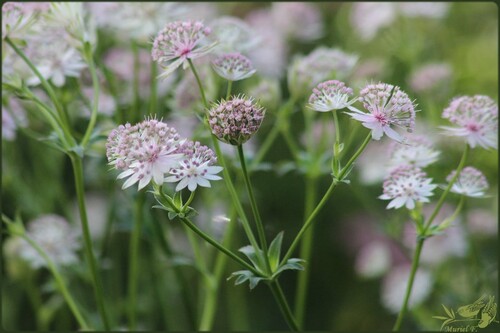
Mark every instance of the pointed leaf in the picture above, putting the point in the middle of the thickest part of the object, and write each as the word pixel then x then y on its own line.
pixel 172 215
pixel 447 311
pixel 255 258
pixel 254 280
pixel 440 317
pixel 275 251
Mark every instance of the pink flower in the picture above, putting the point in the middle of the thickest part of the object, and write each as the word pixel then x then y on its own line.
pixel 330 95
pixel 471 182
pixel 178 42
pixel 233 66
pixel 406 185
pixel 387 106
pixel 476 118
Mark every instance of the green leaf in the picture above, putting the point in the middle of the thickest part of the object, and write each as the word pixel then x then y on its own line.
pixel 190 212
pixel 177 199
pixel 255 258
pixel 291 264
pixel 275 251
pixel 172 215
pixel 440 317
pixel 245 275
pixel 447 311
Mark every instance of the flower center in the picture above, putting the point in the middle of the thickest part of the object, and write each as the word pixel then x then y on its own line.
pixel 473 127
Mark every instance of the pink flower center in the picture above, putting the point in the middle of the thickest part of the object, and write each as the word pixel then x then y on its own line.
pixel 185 51
pixel 380 118
pixel 473 127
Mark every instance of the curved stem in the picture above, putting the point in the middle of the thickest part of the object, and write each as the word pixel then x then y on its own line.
pixel 218 246
pixel 134 261
pixel 255 210
pixel 202 91
pixel 76 162
pixel 440 203
pixel 229 87
pixel 60 284
pixel 305 253
pixel 285 309
pixel 95 84
pixel 63 117
pixel 414 266
pixel 190 199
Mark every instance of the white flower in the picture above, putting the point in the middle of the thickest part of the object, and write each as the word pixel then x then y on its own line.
pixel 471 182
pixel 373 259
pixel 476 118
pixel 233 66
pixel 233 34
pixel 417 150
pixel 394 288
pixel 330 95
pixel 195 169
pixel 56 237
pixel 387 106
pixel 406 185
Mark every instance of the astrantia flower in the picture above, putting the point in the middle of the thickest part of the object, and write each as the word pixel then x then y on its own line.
pixel 417 151
pixel 178 42
pixel 145 151
pixel 234 121
pixel 233 66
pixel 196 168
pixel 471 182
pixel 406 185
pixel 330 95
pixel 17 19
pixel 233 34
pixel 56 237
pixel 387 106
pixel 476 118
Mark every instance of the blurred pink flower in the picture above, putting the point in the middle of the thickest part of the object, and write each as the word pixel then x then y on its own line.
pixel 298 20
pixel 430 76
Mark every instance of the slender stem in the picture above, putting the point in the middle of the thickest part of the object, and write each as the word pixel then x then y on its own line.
pixel 218 246
pixel 137 68
pixel 229 87
pixel 190 199
pixel 325 198
pixel 134 261
pixel 292 145
pixel 255 210
pixel 202 91
pixel 95 84
pixel 305 253
pixel 285 309
pixel 60 284
pixel 336 125
pixel 210 305
pixel 76 161
pixel 153 96
pixel 414 266
pixel 448 188
pixel 48 89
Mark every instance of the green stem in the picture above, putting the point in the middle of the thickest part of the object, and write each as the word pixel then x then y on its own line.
pixel 136 112
pixel 153 97
pixel 95 83
pixel 448 188
pixel 76 162
pixel 325 198
pixel 218 246
pixel 210 305
pixel 305 253
pixel 255 210
pixel 229 87
pixel 414 266
pixel 336 125
pixel 60 284
pixel 63 117
pixel 285 309
pixel 188 202
pixel 134 261
pixel 292 145
pixel 202 91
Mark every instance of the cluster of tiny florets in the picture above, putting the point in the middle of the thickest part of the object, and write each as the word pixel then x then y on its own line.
pixel 330 95
pixel 476 118
pixel 234 121
pixel 405 186
pixel 470 182
pixel 233 66
pixel 418 151
pixel 387 106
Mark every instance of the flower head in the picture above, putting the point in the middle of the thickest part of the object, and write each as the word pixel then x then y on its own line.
pixel 476 118
pixel 406 185
pixel 17 19
pixel 299 20
pixel 56 237
pixel 145 151
pixel 471 182
pixel 196 168
pixel 428 77
pixel 234 121
pixel 387 105
pixel 233 34
pixel 178 42
pixel 417 151
pixel 233 66
pixel 330 95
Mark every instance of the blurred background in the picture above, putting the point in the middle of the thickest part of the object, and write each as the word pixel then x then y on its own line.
pixel 361 251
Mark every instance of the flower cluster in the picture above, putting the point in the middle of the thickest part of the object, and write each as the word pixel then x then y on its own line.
pixel 387 105
pixel 151 149
pixel 406 185
pixel 330 95
pixel 179 42
pixel 417 150
pixel 57 239
pixel 234 121
pixel 470 182
pixel 233 66
pixel 476 118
